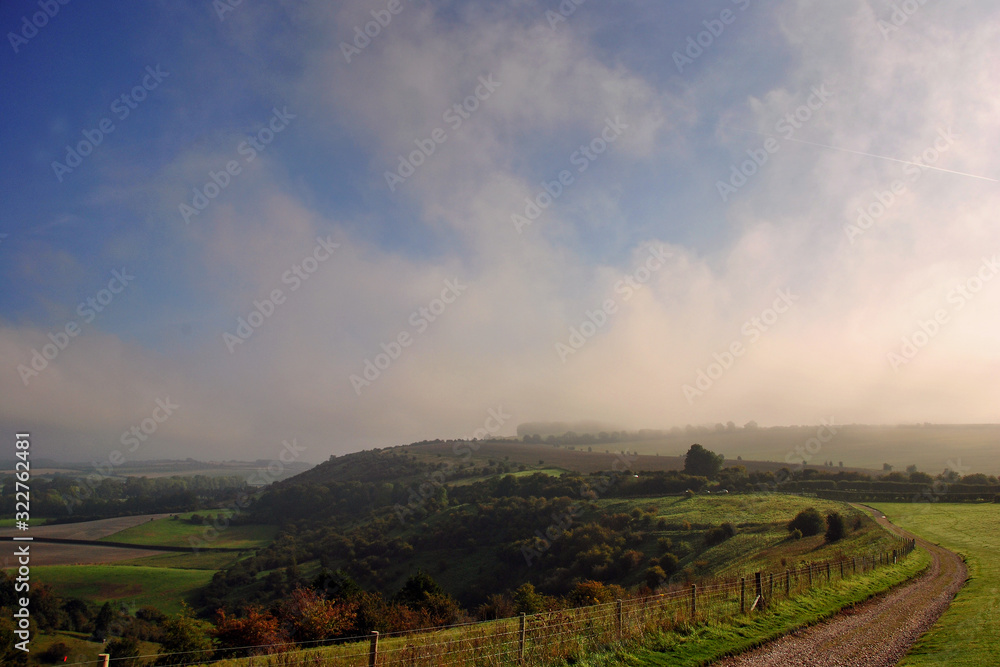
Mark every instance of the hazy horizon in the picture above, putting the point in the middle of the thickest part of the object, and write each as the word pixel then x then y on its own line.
pixel 646 214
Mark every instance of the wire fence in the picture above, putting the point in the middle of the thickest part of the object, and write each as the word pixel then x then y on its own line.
pixel 540 639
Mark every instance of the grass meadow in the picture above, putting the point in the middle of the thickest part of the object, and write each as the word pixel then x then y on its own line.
pixel 968 634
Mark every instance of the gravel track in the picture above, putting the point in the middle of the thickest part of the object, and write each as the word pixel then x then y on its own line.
pixel 876 633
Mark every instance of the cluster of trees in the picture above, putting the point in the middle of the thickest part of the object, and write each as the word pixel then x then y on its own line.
pixel 810 522
pixel 915 486
pixel 94 497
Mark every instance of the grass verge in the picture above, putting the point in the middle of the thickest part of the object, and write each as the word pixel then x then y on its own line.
pixel 704 643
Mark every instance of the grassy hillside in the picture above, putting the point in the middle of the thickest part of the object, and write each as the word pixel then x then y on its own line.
pixel 967 632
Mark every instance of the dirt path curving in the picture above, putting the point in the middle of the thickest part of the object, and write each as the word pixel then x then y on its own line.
pixel 877 633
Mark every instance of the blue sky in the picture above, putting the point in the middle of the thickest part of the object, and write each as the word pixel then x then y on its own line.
pixel 329 130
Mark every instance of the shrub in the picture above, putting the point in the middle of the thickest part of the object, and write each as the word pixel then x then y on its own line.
pixel 720 534
pixel 835 527
pixel 124 651
pixel 796 535
pixel 808 522
pixel 655 576
pixel 669 563
pixel 55 652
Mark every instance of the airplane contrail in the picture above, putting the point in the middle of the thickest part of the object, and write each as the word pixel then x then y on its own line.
pixel 880 157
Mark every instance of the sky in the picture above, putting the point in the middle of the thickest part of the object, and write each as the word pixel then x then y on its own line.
pixel 227 225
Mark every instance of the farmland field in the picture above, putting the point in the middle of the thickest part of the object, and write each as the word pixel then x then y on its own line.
pixel 163 588
pixel 967 634
pixel 177 533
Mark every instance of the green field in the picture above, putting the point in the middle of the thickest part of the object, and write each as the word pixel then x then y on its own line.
pixel 201 560
pixel 158 587
pixel 177 533
pixel 967 634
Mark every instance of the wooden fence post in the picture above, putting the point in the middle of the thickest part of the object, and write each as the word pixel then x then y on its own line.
pixel 743 595
pixel 758 585
pixel 520 643
pixel 810 575
pixel 788 584
pixel 105 657
pixel 373 650
pixel 694 601
pixel 828 572
pixel 620 616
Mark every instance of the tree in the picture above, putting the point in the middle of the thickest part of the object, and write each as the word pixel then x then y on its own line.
pixel 311 617
pixel 835 527
pixel 417 589
pixel 422 593
pixel 184 634
pixel 887 467
pixel 527 601
pixel 670 563
pixel 103 621
pixel 655 576
pixel 124 651
pixel 702 462
pixel 910 469
pixel 808 522
pixel 258 629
